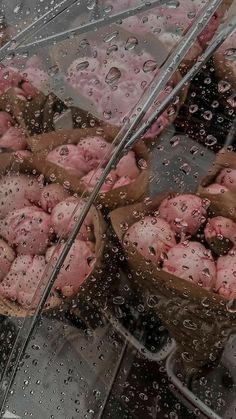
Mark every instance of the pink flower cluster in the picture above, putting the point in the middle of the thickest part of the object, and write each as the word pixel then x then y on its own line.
pixel 87 159
pixel 32 216
pixel 26 85
pixel 171 239
pixel 114 84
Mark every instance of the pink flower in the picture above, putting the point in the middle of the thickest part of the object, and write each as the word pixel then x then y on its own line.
pixel 193 262
pixel 29 229
pixel 152 237
pixel 91 179
pixel 226 276
pixel 51 195
pixel 35 80
pixel 127 166
pixel 227 178
pixel 7 256
pixel 65 215
pixel 114 83
pixel 77 267
pixel 70 158
pixel 18 191
pixel 21 283
pixel 14 139
pixel 221 228
pixel 185 213
pixel 95 151
pixel 216 188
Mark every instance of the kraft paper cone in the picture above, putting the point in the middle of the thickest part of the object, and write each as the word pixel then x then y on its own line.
pixel 223 203
pixel 126 195
pixel 197 319
pixel 12 163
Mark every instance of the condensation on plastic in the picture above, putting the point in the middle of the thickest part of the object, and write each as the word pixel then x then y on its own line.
pixel 143 103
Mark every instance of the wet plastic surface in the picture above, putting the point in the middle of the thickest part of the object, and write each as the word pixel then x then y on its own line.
pixel 75 362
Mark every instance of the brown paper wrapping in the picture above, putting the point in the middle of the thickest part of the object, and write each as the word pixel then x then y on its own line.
pixel 126 195
pixel 9 163
pixel 197 319
pixel 223 203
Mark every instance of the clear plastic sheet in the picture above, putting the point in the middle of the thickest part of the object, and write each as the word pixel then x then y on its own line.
pixel 123 72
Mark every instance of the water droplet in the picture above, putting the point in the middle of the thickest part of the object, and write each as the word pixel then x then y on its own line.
pixel 131 43
pixel 223 86
pixel 113 75
pixel 119 300
pixel 143 396
pixel 91 4
pixel 185 168
pixel 109 37
pixel 84 43
pixel 189 325
pixel 172 4
pixel 107 114
pixel 18 8
pixel 230 54
pixel 152 301
pixel 149 65
pixel 232 100
pixel 210 140
pixel 207 80
pixel 142 164
pixel 82 66
pixel 231 306
pixel 64 151
pixel 193 108
pixel 111 49
pixel 207 115
pixel 52 71
pixel 174 141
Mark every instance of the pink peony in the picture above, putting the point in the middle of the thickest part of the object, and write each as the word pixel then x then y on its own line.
pixel 185 213
pixel 51 195
pixel 18 191
pixel 65 215
pixel 193 262
pixel 70 158
pixel 77 267
pixel 91 179
pixel 14 139
pixel 7 256
pixel 127 166
pixel 227 178
pixel 226 276
pixel 35 80
pixel 21 283
pixel 221 229
pixel 29 229
pixel 114 83
pixel 95 151
pixel 152 237
pixel 216 188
